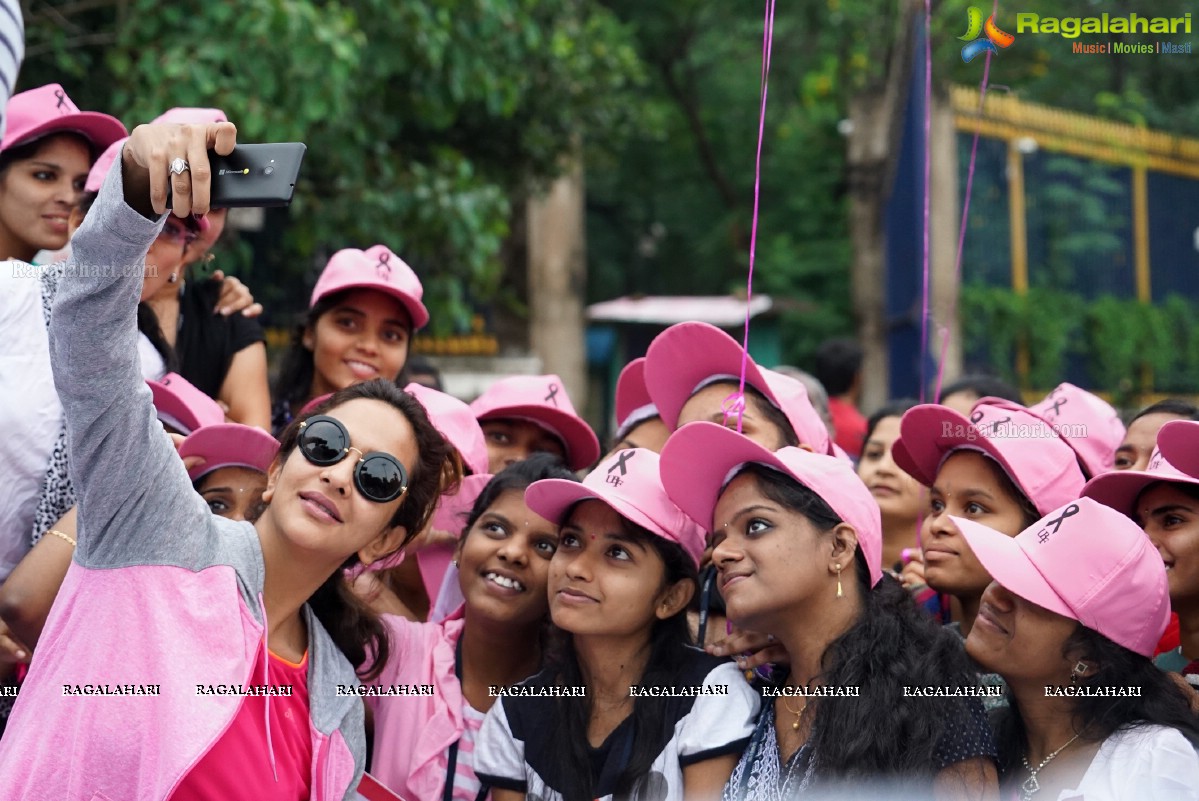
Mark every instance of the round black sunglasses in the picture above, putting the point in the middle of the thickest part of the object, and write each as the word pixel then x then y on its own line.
pixel 380 477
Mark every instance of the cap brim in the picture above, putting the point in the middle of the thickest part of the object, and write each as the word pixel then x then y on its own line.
pixel 928 433
pixel 682 356
pixel 1008 564
pixel 582 446
pixel 631 392
pixel 415 309
pixel 553 497
pixel 99 129
pixel 697 459
pixel 1178 441
pixel 1120 489
pixel 229 445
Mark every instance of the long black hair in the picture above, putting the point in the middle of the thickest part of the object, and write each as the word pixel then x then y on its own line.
pixel 354 626
pixel 894 644
pixel 1095 718
pixel 652 727
pixel 297 369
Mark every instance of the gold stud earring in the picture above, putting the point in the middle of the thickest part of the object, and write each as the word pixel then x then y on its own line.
pixel 840 594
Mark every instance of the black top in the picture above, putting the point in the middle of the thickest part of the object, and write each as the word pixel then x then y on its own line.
pixel 206 341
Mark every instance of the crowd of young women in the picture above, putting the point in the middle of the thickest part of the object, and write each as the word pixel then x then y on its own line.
pixel 1001 601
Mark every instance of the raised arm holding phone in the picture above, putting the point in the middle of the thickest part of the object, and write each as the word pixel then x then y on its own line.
pixel 163 664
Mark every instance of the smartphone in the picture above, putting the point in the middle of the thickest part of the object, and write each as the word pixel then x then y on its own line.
pixel 256 175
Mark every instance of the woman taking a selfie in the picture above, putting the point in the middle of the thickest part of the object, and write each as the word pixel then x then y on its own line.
pixel 218 604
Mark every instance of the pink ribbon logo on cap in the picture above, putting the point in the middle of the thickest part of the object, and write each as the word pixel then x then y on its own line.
pixel 621 459
pixel 1058 403
pixel 383 268
pixel 1069 511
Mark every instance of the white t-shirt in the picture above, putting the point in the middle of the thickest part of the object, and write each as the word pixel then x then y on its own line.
pixel 153 367
pixel 510 749
pixel 30 414
pixel 1149 763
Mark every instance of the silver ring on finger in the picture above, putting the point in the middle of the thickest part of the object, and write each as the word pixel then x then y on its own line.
pixel 179 166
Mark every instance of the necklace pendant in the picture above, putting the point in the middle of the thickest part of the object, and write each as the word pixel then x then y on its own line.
pixel 1030 786
pixel 795 725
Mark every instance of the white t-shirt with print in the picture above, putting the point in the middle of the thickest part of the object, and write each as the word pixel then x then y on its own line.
pixel 509 752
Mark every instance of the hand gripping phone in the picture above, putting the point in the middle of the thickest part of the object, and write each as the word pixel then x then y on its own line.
pixel 256 175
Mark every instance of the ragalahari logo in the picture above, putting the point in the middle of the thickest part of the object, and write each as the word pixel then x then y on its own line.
pixel 992 38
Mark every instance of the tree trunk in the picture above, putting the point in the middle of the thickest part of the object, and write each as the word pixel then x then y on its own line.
pixel 944 219
pixel 558 280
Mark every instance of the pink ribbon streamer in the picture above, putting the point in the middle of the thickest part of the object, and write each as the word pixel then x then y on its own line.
pixel 735 403
pixel 957 264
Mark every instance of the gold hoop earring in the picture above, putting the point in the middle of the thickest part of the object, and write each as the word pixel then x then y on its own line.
pixel 840 594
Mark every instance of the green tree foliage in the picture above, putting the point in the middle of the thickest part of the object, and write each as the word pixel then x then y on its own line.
pixel 422 118
pixel 673 214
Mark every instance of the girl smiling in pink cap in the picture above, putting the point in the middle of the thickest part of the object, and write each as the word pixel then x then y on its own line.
pixel 365 308
pixel 45 156
pixel 619 584
pixel 1164 500
pixel 424 748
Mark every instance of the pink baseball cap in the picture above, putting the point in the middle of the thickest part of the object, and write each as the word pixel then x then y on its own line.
pixel 633 403
pixel 1039 462
pixel 229 445
pixel 1087 423
pixel 1178 440
pixel 376 268
pixel 47 109
pixel 182 406
pixel 1120 489
pixel 456 422
pixel 628 481
pixel 1084 561
pixel 688 356
pixel 541 400
pixel 701 458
